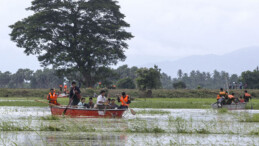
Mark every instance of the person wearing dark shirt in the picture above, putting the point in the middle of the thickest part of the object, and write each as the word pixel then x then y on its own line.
pixel 74 96
pixel 113 105
pixel 90 103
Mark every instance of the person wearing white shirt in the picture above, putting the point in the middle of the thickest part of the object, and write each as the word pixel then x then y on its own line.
pixel 82 103
pixel 101 100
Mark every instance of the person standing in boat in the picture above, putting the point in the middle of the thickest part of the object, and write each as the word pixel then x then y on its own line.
pixel 52 97
pixel 74 95
pixel 124 100
pixel 101 100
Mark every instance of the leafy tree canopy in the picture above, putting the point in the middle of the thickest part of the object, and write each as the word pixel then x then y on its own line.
pixel 82 36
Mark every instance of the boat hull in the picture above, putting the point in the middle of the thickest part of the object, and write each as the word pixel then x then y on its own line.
pixel 239 106
pixel 88 113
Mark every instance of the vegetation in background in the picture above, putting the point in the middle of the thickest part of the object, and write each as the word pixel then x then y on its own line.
pixel 126 83
pixel 82 37
pixel 251 78
pixel 179 85
pixel 148 78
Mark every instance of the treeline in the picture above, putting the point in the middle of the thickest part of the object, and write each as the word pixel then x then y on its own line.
pixel 125 77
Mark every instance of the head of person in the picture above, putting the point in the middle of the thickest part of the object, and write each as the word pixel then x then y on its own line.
pixel 113 101
pixel 83 100
pixel 241 97
pixel 90 99
pixel 221 89
pixel 51 91
pixel 233 94
pixel 123 94
pixel 102 92
pixel 245 91
pixel 109 100
pixel 73 84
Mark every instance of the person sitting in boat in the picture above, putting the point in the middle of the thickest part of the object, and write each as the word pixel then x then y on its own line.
pixel 231 98
pixel 82 103
pixel 247 96
pixel 74 96
pixel 52 97
pixel 113 105
pixel 221 97
pixel 90 103
pixel 124 100
pixel 101 100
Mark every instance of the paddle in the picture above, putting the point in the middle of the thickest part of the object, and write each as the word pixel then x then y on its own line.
pixel 69 104
pixel 45 103
pixel 131 110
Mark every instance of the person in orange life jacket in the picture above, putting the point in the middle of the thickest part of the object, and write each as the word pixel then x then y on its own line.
pixel 247 96
pixel 74 95
pixel 221 97
pixel 52 97
pixel 124 100
pixel 65 89
pixel 231 98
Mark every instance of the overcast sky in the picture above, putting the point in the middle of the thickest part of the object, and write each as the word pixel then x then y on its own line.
pixel 164 30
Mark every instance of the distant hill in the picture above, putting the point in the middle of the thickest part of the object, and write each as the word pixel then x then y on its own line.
pixel 235 62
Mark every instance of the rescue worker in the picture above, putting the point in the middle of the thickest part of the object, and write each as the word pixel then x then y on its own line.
pixel 74 95
pixel 124 100
pixel 60 87
pixel 65 89
pixel 52 97
pixel 247 96
pixel 231 98
pixel 221 97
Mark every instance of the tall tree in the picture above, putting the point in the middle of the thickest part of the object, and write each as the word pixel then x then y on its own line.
pixel 148 78
pixel 74 35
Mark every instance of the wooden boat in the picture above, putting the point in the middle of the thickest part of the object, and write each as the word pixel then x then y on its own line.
pixel 90 113
pixel 233 106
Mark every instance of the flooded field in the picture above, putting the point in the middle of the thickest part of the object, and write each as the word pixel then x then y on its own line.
pixel 36 126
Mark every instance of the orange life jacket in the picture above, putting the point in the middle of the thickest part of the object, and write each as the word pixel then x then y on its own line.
pixel 247 95
pixel 222 93
pixel 65 86
pixel 53 97
pixel 218 97
pixel 230 96
pixel 124 100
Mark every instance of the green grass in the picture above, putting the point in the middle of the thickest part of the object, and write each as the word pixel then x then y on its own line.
pixel 250 118
pixel 170 103
pixel 222 110
pixel 153 112
pixel 50 118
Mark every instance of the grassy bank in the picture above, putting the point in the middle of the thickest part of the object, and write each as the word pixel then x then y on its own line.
pixel 160 93
pixel 173 103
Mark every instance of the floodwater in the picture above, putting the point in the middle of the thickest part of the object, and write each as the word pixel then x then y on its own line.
pixel 177 127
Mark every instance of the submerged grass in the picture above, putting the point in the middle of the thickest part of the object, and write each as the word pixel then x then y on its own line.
pixel 50 118
pixel 250 118
pixel 145 130
pixel 153 112
pixel 222 110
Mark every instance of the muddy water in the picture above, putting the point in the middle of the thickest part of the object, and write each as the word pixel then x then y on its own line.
pixel 179 127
